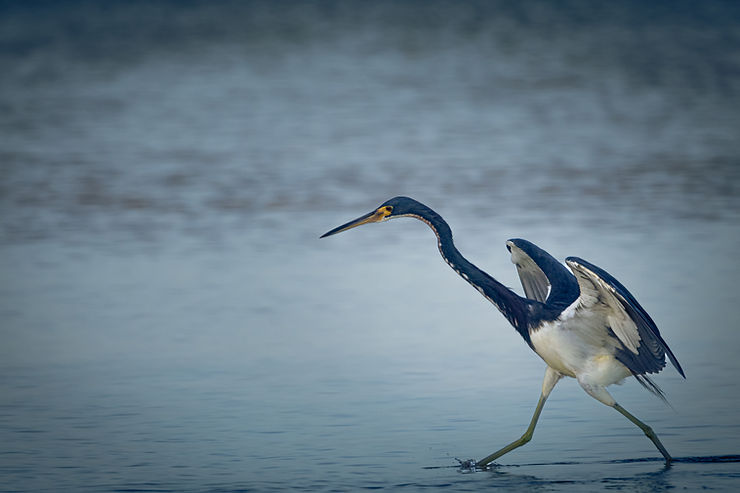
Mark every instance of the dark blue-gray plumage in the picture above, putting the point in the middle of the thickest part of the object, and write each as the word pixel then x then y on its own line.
pixel 583 323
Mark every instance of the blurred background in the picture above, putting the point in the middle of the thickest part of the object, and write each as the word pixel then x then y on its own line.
pixel 169 320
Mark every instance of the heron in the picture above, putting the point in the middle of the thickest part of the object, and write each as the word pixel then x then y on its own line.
pixel 583 323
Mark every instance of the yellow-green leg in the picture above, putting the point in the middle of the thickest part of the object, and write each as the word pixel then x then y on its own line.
pixel 551 378
pixel 648 432
pixel 516 443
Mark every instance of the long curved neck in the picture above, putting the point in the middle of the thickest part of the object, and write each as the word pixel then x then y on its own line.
pixel 511 305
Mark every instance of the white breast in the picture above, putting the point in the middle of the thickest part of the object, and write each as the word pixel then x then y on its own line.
pixel 558 348
pixel 579 346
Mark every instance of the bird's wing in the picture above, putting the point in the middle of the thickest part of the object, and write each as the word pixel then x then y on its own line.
pixel 643 349
pixel 534 281
pixel 543 278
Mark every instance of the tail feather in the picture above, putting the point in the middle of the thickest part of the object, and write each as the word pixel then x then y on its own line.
pixel 652 387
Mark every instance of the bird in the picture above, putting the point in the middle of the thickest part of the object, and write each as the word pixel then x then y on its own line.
pixel 581 322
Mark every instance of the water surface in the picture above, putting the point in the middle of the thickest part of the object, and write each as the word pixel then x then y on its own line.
pixel 171 321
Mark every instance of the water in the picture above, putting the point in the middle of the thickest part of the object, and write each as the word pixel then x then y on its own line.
pixel 171 321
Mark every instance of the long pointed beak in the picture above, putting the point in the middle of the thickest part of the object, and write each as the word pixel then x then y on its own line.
pixel 370 217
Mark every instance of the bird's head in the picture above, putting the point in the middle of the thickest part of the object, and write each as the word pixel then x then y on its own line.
pixel 395 207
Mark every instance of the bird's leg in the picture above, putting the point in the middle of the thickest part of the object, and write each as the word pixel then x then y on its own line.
pixel 600 393
pixel 551 378
pixel 516 443
pixel 647 430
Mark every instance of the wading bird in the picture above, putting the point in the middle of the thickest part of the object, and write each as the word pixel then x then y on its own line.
pixel 584 325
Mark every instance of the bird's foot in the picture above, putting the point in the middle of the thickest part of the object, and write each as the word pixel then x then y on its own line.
pixel 466 465
pixel 471 465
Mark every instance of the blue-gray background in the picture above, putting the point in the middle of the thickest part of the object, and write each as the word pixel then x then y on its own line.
pixel 171 322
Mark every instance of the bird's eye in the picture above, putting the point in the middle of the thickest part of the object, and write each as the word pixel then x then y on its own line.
pixel 388 208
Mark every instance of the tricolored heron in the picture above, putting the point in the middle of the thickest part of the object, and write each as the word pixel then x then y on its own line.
pixel 584 325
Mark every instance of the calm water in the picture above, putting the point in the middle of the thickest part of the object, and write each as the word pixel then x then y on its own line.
pixel 171 321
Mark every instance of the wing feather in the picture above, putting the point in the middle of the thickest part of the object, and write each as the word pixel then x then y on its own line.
pixel 643 349
pixel 543 278
pixel 534 281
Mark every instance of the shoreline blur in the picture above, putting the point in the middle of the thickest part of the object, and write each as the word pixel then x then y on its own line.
pixel 129 119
